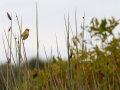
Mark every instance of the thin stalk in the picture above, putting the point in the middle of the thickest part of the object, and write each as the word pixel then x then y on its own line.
pixel 71 30
pixel 65 24
pixel 49 67
pixel 83 37
pixel 5 49
pixel 81 77
pixel 11 39
pixel 76 32
pixel 51 51
pixel 20 44
pixel 94 81
pixel 9 47
pixel 59 55
pixel 46 55
pixel 81 74
pixel 70 56
pixel 37 59
pixel 13 75
pixel 51 83
pixel 8 42
pixel 37 65
pixel 7 64
pixel 19 54
pixel 66 30
pixel 19 39
pixel 25 57
pixel 7 86
pixel 65 39
pixel 69 66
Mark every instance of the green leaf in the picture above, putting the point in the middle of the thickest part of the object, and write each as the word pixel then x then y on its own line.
pixel 54 60
pixel 97 23
pixel 59 59
pixel 103 23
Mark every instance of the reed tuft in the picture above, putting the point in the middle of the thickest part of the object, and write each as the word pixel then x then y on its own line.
pixel 9 16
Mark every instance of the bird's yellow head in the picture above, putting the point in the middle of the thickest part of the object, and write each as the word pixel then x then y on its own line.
pixel 27 29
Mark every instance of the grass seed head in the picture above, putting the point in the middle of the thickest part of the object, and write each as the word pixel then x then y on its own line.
pixel 9 16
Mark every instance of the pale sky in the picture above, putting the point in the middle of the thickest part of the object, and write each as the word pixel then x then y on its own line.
pixel 51 21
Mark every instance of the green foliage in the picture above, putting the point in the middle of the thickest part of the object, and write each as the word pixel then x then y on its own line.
pixel 103 29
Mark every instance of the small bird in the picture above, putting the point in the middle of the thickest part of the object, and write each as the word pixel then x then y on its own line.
pixel 25 34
